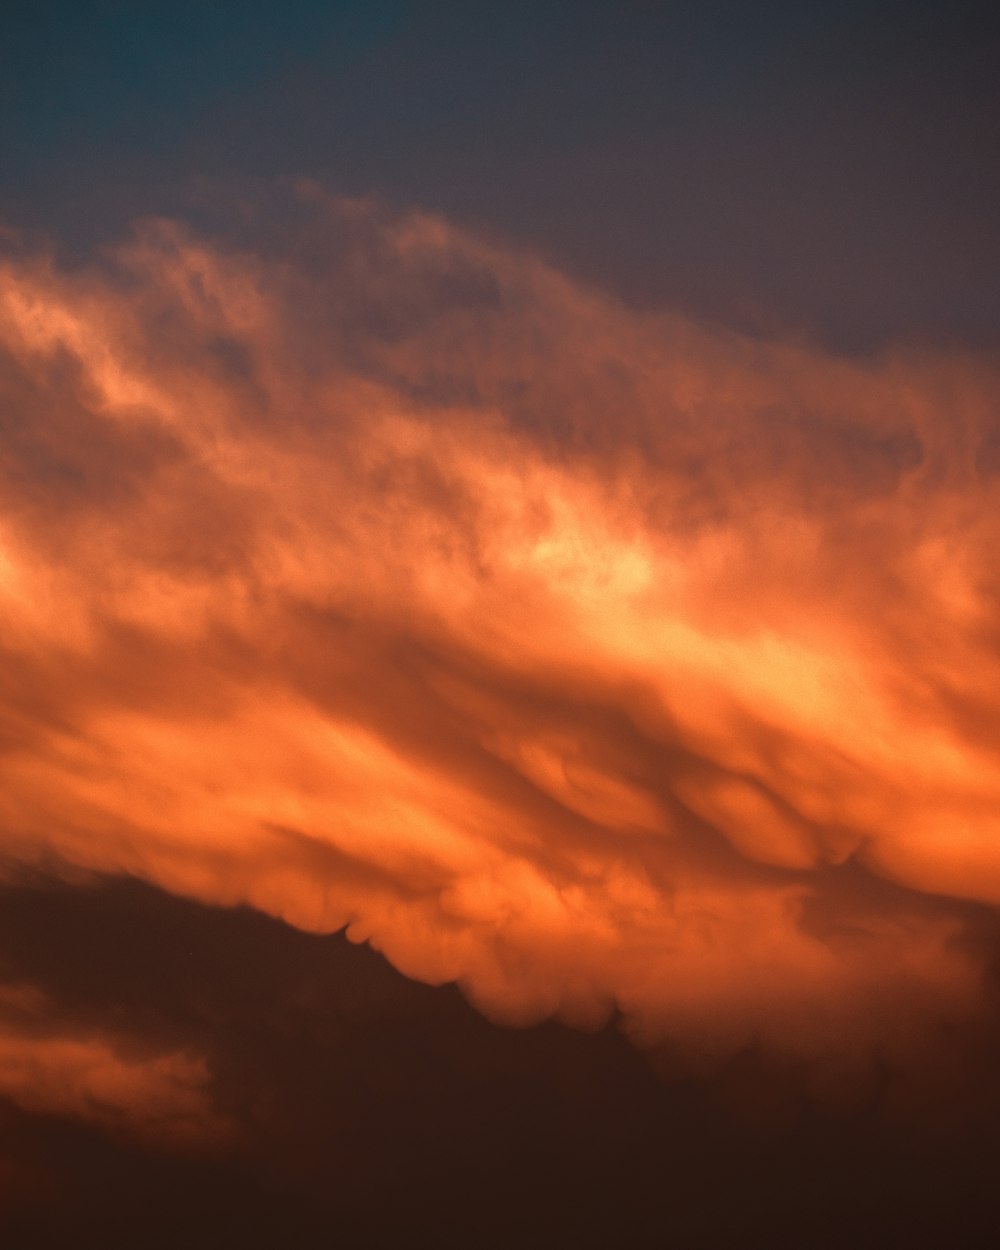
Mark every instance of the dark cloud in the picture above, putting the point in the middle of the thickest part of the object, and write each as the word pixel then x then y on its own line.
pixel 377 1109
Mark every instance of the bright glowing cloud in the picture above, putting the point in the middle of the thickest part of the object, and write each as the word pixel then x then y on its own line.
pixel 383 578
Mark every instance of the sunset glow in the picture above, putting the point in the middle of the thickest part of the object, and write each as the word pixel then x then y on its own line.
pixel 577 690
pixel 499 625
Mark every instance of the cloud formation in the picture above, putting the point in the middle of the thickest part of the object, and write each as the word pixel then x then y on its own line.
pixel 80 1074
pixel 373 575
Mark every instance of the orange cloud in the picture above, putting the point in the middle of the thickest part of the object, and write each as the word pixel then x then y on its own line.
pixel 49 1068
pixel 381 577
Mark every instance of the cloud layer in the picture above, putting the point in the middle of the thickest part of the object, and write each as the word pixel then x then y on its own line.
pixel 370 574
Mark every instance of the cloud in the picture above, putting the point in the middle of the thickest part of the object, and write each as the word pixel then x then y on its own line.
pixel 51 1069
pixel 372 575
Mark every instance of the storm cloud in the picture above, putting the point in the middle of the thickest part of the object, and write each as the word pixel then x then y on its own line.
pixel 608 664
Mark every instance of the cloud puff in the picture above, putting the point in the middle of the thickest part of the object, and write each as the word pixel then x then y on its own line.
pixel 373 575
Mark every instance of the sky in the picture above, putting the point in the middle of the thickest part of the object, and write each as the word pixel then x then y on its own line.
pixel 499 625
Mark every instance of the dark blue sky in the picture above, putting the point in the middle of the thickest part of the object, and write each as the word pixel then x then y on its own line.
pixel 821 168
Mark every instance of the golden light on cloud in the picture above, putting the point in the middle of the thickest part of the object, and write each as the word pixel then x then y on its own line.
pixel 571 653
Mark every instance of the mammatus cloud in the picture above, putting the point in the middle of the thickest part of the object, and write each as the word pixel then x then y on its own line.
pixel 599 661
